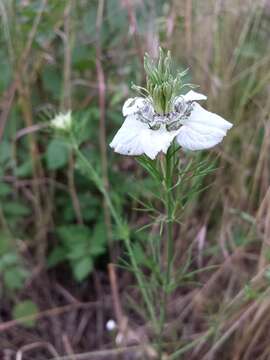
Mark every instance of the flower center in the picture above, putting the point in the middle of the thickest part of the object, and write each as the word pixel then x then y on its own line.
pixel 171 121
pixel 162 85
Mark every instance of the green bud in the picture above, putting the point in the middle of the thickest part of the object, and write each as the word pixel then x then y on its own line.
pixel 161 61
pixel 148 65
pixel 167 64
pixel 176 85
pixel 162 86
pixel 158 99
pixel 149 86
pixel 168 90
pixel 62 122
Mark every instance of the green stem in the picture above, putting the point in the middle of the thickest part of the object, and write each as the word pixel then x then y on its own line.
pixel 169 215
pixel 93 175
pixel 167 170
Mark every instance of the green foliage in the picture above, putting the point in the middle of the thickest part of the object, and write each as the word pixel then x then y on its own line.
pixel 80 246
pixel 26 308
pixel 5 189
pixel 5 152
pixel 15 209
pixel 12 270
pixel 57 154
pixel 250 292
pixel 52 81
pixel 151 167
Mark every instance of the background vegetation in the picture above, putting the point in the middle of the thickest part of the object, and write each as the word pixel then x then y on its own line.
pixel 57 237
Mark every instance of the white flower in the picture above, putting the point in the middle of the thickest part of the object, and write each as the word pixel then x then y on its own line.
pixel 146 132
pixel 111 325
pixel 62 121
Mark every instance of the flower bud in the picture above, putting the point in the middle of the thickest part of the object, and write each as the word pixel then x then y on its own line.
pixel 62 121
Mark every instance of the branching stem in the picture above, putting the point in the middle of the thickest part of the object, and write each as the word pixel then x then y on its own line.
pixel 94 176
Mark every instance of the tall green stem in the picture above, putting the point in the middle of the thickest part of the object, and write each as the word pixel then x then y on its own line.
pixel 121 227
pixel 167 170
pixel 169 215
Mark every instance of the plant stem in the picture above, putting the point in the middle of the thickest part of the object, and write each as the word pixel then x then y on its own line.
pixel 167 170
pixel 102 126
pixel 169 214
pixel 93 175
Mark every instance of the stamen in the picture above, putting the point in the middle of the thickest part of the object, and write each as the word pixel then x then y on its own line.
pixel 172 120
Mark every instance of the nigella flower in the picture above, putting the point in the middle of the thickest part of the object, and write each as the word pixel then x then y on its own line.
pixel 146 132
pixel 154 121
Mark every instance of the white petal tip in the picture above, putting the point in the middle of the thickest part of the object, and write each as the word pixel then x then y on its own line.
pixel 132 105
pixel 194 96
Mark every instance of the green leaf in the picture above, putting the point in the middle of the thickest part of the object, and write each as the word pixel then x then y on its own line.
pixel 150 166
pixel 78 251
pixel 98 240
pixel 5 151
pixel 5 189
pixel 52 81
pixel 25 169
pixel 71 235
pixel 58 255
pixel 23 309
pixel 117 19
pixel 82 268
pixel 82 57
pixel 139 253
pixel 15 208
pixel 9 258
pixel 5 242
pixel 250 292
pixel 14 278
pixel 57 154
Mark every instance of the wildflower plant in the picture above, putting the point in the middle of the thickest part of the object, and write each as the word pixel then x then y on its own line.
pixel 157 124
pixel 163 114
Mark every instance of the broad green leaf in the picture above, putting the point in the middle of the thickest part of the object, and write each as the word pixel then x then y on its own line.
pixel 82 57
pixel 14 277
pixel 58 255
pixel 82 268
pixel 15 208
pixel 23 309
pixel 52 81
pixel 5 151
pixel 5 189
pixel 78 251
pixel 98 239
pixel 73 234
pixel 57 154
pixel 25 169
pixel 5 242
pixel 9 258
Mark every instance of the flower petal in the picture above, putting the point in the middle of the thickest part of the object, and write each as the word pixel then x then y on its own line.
pixel 155 141
pixel 181 102
pixel 192 139
pixel 193 96
pixel 127 140
pixel 204 117
pixel 132 105
pixel 202 130
pixel 136 138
